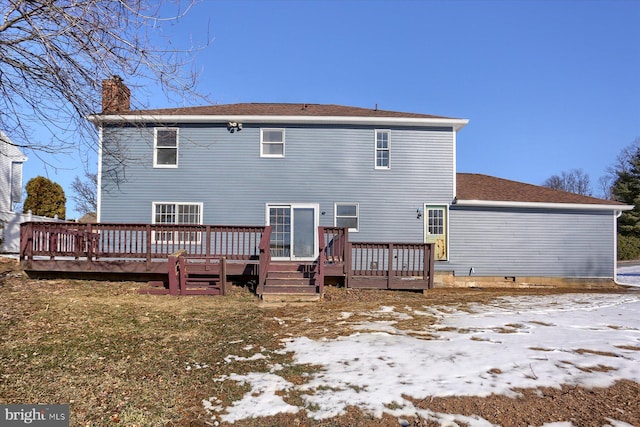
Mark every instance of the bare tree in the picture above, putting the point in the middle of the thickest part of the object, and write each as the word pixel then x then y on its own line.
pixel 55 54
pixel 85 193
pixel 573 181
pixel 605 183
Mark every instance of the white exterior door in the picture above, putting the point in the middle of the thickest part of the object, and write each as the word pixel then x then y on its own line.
pixel 293 231
pixel 435 230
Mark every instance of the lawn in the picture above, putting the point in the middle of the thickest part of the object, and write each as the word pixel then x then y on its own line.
pixel 120 358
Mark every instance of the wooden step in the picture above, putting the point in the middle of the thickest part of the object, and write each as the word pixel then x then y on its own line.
pixel 290 275
pixel 275 298
pixel 289 281
pixel 301 289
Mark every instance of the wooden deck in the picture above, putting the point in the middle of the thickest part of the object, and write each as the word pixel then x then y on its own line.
pixel 152 251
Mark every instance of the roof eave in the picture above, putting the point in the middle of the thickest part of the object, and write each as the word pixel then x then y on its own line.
pixel 456 124
pixel 541 205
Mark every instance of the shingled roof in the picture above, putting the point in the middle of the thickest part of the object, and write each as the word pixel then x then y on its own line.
pixel 279 109
pixel 471 186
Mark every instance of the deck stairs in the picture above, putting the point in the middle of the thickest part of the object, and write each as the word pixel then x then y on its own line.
pixel 192 276
pixel 201 282
pixel 291 281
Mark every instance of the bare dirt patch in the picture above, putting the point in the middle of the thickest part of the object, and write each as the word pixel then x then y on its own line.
pixel 120 358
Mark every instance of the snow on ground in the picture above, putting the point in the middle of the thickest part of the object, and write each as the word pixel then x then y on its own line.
pixel 629 275
pixel 515 342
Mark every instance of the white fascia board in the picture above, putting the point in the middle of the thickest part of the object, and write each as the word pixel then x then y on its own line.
pixel 541 205
pixel 456 124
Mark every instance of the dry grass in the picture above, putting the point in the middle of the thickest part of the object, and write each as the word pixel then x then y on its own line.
pixel 120 358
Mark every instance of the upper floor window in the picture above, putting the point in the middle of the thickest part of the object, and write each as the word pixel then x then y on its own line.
pixel 347 215
pixel 165 148
pixel 271 142
pixel 383 139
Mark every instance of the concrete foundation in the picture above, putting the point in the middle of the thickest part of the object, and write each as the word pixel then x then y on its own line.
pixel 449 280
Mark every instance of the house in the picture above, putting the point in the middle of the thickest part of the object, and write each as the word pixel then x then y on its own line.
pixel 11 160
pixel 387 176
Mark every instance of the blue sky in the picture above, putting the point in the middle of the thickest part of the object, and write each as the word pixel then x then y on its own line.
pixel 548 86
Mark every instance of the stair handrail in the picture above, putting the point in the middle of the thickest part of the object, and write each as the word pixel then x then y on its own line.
pixel 265 259
pixel 321 260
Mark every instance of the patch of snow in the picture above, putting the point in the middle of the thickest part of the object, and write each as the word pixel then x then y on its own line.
pixel 262 400
pixel 615 423
pixel 629 275
pixel 256 356
pixel 516 342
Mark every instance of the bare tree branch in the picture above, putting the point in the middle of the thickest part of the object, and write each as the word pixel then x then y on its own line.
pixel 55 54
pixel 574 181
pixel 85 193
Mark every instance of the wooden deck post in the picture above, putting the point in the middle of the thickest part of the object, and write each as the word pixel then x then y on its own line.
pixel 26 244
pixel 148 245
pixel 223 275
pixel 174 272
pixel 347 250
pixel 390 272
pixel 321 260
pixel 89 237
pixel 208 243
pixel 429 260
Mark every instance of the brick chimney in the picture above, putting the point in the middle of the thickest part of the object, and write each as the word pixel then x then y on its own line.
pixel 116 96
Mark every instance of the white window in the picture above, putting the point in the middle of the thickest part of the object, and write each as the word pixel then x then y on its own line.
pixel 347 215
pixel 176 214
pixel 271 142
pixel 165 148
pixel 435 221
pixel 383 140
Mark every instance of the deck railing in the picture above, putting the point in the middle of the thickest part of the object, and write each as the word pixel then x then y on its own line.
pixel 322 259
pixel 138 241
pixel 393 261
pixel 394 264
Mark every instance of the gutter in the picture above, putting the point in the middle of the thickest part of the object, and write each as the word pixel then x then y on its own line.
pixel 456 124
pixel 542 205
pixel 615 267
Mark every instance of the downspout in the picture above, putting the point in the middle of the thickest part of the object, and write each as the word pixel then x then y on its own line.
pixel 618 214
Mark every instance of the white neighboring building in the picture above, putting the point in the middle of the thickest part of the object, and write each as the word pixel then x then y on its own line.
pixel 11 160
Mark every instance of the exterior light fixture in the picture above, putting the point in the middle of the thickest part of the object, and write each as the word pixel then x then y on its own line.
pixel 234 126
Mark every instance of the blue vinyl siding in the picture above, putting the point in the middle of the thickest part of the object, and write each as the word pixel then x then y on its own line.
pixel 322 164
pixel 528 242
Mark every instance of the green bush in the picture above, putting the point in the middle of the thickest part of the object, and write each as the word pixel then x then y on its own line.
pixel 628 247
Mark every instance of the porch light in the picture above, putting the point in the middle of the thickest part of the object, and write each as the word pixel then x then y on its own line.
pixel 234 126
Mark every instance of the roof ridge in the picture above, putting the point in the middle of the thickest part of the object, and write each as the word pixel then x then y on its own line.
pixel 283 109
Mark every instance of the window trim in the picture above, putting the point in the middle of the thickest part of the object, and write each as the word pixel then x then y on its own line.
pixel 175 240
pixel 357 216
pixel 262 143
pixel 376 149
pixel 156 148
